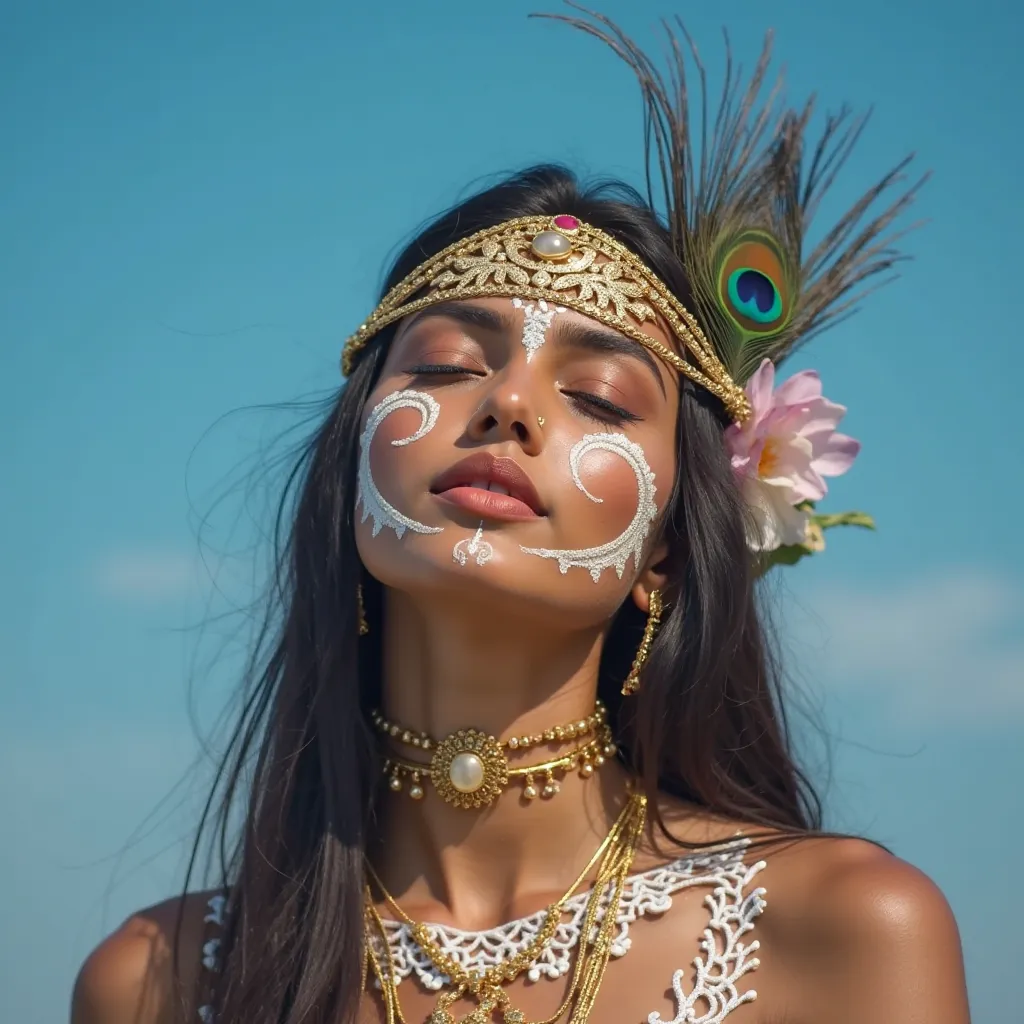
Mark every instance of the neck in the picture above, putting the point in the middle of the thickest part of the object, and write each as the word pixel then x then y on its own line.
pixel 443 672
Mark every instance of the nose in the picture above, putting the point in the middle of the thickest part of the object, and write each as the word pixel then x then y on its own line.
pixel 508 413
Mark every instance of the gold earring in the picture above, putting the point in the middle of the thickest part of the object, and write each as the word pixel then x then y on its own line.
pixel 364 626
pixel 632 683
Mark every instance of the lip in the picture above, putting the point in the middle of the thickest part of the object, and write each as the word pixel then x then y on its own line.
pixel 454 485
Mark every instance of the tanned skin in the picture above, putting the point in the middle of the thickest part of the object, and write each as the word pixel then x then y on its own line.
pixel 851 934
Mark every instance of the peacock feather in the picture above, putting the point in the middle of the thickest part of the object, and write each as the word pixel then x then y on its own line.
pixel 739 186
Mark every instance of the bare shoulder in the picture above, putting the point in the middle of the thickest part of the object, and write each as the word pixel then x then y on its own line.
pixel 129 978
pixel 859 934
pixel 848 932
pixel 847 883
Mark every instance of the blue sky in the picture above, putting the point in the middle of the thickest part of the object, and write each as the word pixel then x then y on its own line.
pixel 196 203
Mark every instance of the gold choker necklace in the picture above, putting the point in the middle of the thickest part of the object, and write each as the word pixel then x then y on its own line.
pixel 470 769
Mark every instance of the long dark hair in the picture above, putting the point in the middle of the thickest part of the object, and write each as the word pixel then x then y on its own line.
pixel 707 725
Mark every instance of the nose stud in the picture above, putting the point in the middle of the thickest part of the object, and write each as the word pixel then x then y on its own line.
pixel 540 421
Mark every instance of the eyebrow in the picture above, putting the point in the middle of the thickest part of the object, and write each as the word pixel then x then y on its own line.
pixel 597 339
pixel 468 314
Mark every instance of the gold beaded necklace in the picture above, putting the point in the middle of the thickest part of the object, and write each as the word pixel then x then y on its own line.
pixel 614 858
pixel 470 769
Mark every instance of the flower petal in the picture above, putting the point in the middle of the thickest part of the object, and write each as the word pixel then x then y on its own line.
pixel 738 440
pixel 783 452
pixel 801 388
pixel 794 523
pixel 838 457
pixel 792 469
pixel 759 391
pixel 815 417
pixel 773 521
pixel 807 486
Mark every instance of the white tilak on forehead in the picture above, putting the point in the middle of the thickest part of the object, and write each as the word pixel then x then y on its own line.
pixel 373 502
pixel 536 321
pixel 631 541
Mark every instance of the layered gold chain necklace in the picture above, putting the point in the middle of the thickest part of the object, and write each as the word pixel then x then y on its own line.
pixel 613 860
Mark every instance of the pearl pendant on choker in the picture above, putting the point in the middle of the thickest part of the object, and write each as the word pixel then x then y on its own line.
pixel 466 772
pixel 469 768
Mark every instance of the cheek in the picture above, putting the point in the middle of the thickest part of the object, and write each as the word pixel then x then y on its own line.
pixel 395 449
pixel 613 479
pixel 390 480
pixel 608 477
pixel 402 423
pixel 611 472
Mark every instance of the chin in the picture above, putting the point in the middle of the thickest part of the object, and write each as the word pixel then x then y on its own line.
pixel 494 580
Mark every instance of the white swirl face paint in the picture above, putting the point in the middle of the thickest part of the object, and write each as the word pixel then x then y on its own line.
pixel 536 321
pixel 369 496
pixel 631 541
pixel 477 548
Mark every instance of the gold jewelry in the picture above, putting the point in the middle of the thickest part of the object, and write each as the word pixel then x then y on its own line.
pixel 557 734
pixel 470 770
pixel 540 421
pixel 632 683
pixel 614 858
pixel 364 626
pixel 556 259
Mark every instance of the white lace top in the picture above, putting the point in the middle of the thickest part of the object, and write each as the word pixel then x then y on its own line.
pixel 725 955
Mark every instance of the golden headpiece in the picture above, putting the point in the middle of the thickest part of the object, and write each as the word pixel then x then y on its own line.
pixel 564 261
pixel 737 207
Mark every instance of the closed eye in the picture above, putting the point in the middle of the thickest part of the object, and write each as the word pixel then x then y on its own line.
pixel 600 409
pixel 442 370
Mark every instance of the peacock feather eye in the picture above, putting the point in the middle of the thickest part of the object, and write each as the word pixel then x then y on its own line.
pixel 752 285
pixel 754 295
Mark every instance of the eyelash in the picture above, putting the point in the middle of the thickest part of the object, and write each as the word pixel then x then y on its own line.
pixel 589 405
pixel 441 370
pixel 600 409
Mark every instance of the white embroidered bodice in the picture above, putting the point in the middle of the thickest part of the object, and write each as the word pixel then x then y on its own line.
pixel 724 958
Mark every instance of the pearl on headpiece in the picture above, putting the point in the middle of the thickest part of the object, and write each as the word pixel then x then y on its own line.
pixel 551 245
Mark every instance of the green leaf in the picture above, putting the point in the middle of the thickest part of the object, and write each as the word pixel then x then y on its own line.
pixel 790 554
pixel 826 522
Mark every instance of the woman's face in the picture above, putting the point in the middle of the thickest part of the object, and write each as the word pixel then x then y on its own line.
pixel 541 460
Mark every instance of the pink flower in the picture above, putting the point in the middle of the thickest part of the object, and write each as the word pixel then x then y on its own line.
pixel 783 453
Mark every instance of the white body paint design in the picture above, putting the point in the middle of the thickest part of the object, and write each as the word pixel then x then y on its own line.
pixel 536 320
pixel 373 502
pixel 480 549
pixel 631 541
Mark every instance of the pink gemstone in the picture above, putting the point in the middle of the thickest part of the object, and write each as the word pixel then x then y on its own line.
pixel 565 222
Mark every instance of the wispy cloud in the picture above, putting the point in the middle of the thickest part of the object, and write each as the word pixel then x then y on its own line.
pixel 949 646
pixel 149 574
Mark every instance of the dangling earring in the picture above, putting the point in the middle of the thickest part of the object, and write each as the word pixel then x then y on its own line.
pixel 364 626
pixel 632 683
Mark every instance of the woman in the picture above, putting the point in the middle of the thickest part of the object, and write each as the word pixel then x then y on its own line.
pixel 514 747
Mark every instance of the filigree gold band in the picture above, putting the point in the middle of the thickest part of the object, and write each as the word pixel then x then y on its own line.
pixel 565 261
